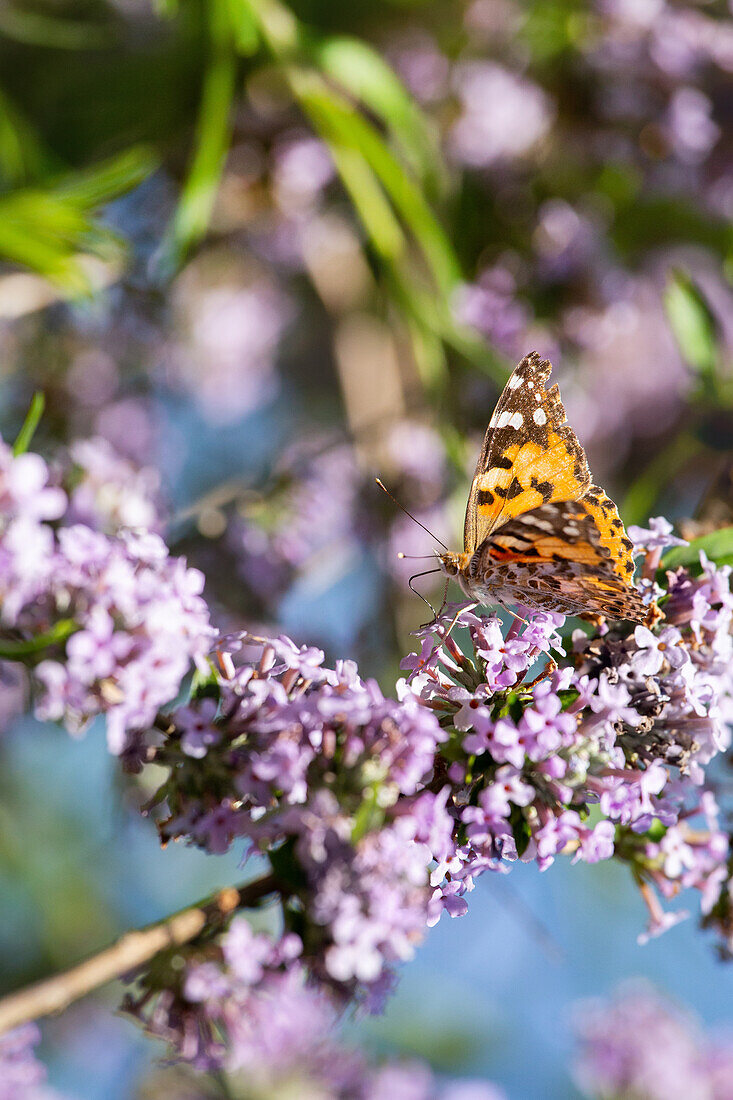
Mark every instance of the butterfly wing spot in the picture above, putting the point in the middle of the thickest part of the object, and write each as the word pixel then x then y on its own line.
pixel 544 488
pixel 508 419
pixel 540 417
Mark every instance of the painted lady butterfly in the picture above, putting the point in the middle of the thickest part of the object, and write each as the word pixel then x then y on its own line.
pixel 537 531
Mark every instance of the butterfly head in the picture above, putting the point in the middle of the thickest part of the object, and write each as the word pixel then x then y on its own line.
pixel 452 563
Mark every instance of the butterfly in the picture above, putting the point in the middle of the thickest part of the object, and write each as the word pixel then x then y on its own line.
pixel 537 531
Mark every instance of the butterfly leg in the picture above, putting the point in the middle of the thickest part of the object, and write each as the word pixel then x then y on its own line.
pixel 548 670
pixel 439 612
pixel 445 597
pixel 468 607
pixel 515 616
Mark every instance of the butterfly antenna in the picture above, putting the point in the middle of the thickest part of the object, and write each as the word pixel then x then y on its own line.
pixel 417 521
pixel 414 578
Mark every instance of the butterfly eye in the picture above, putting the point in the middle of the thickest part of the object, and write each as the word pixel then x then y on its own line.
pixel 449 564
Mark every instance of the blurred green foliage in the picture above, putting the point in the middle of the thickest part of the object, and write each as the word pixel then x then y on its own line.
pixel 133 93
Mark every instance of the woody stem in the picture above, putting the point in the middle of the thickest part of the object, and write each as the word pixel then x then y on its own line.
pixel 129 952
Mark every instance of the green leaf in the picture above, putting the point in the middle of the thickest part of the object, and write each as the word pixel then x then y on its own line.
pixel 17 651
pixel 22 155
pixel 369 202
pixel 718 547
pixel 656 831
pixel 693 322
pixel 359 70
pixel 31 422
pixel 205 684
pixel 343 128
pixel 35 28
pixel 520 829
pixel 46 229
pixel 369 816
pixel 103 182
pixel 245 28
pixel 213 134
pixel 166 8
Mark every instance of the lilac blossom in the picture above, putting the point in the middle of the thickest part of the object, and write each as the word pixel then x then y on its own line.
pixel 108 492
pixel 492 306
pixel 228 363
pixel 134 618
pixel 629 729
pixel 503 115
pixel 22 1076
pixel 140 621
pixel 252 1008
pixel 640 1045
pixel 288 720
pixel 566 240
pixel 421 64
pixel 302 168
pixel 27 503
pixel 657 536
pixel 689 127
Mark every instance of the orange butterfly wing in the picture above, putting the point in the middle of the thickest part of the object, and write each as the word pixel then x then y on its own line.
pixel 530 455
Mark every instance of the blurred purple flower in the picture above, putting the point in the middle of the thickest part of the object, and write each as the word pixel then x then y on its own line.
pixel 109 492
pixel 641 1045
pixel 302 168
pixel 503 115
pixel 228 362
pixel 491 306
pixel 22 1076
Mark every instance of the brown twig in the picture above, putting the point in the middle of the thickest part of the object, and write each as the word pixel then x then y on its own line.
pixel 127 954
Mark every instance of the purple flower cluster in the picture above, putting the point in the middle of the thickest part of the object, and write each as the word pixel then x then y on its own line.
pixel 226 355
pixel 518 764
pixel 139 622
pixel 307 517
pixel 22 1076
pixel 491 306
pixel 503 115
pixel 376 815
pixel 107 492
pixel 316 767
pixel 604 756
pixel 316 520
pixel 251 1007
pixel 640 1045
pixel 27 503
pixel 122 620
